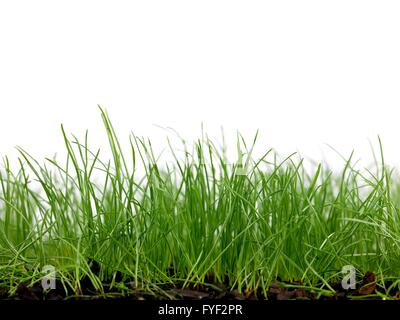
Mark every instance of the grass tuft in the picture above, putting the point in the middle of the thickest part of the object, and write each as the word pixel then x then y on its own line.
pixel 197 218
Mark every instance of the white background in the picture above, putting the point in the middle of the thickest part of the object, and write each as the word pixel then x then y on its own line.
pixel 305 73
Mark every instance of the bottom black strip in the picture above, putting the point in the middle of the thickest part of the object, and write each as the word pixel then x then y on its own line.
pixel 110 309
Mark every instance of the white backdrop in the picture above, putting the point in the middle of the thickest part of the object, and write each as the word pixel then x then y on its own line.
pixel 305 73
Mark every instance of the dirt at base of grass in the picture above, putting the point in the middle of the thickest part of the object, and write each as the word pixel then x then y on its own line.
pixel 278 290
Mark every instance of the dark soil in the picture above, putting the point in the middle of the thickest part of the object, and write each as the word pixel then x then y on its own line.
pixel 278 290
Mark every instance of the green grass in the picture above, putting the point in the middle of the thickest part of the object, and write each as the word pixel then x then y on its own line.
pixel 138 216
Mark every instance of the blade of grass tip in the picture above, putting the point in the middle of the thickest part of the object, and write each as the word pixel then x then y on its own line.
pixel 385 176
pixel 249 153
pixel 114 141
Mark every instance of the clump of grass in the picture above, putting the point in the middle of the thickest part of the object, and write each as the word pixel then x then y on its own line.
pixel 199 216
